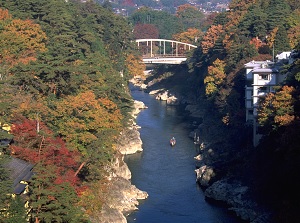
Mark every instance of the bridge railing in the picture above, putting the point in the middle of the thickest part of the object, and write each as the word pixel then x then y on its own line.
pixel 163 47
pixel 164 56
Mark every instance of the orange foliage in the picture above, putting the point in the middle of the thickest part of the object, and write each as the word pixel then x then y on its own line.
pixel 183 8
pixel 294 36
pixel 190 36
pixel 82 116
pixel 93 198
pixel 4 15
pixel 20 40
pixel 238 8
pixel 211 36
pixel 256 42
pixel 215 77
pixel 135 66
pixel 277 108
pixel 271 37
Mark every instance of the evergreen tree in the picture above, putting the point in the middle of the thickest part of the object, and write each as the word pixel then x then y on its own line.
pixel 281 42
pixel 254 23
pixel 16 211
pixel 52 202
pixel 277 11
pixel 5 186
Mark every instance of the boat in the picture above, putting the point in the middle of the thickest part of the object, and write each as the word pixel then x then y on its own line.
pixel 172 141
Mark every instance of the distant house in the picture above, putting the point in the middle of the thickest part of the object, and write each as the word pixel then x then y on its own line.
pixel 261 78
pixel 20 173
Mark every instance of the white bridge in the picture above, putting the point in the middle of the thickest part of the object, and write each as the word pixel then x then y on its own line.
pixel 163 51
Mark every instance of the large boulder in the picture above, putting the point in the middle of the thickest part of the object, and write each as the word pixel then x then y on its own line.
pixel 122 199
pixel 204 175
pixel 120 168
pixel 137 107
pixel 236 196
pixel 129 141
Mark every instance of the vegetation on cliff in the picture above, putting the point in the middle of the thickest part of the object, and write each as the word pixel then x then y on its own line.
pixel 63 91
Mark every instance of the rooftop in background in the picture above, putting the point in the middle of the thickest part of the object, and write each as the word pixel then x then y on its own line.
pixel 20 171
pixel 122 7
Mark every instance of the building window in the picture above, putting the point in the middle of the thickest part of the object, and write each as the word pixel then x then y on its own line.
pixel 262 90
pixel 263 77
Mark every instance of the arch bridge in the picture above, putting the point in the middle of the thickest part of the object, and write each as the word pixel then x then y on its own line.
pixel 163 51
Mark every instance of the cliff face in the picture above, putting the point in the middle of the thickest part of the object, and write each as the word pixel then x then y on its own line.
pixel 122 196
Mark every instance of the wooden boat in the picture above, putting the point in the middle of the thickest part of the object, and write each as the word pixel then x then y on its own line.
pixel 172 141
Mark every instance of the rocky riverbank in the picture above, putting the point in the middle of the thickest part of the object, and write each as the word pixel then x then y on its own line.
pixel 122 196
pixel 210 173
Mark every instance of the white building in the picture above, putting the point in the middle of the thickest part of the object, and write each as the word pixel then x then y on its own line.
pixel 261 77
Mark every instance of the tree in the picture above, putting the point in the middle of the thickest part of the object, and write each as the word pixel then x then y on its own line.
pixel 52 202
pixel 80 118
pixel 5 186
pixel 211 37
pixel 191 36
pixel 293 31
pixel 135 65
pixel 145 31
pixel 277 109
pixel 254 23
pixel 20 41
pixel 16 211
pixel 277 12
pixel 166 23
pixel 215 77
pixel 189 16
pixel 281 41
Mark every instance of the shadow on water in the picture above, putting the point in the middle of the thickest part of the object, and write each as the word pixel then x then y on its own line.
pixel 167 173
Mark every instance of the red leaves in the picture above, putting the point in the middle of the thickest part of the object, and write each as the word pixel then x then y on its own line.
pixel 38 145
pixel 145 31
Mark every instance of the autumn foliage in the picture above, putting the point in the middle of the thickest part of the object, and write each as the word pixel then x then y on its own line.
pixel 20 40
pixel 135 66
pixel 145 31
pixel 35 143
pixel 277 109
pixel 190 36
pixel 215 77
pixel 210 37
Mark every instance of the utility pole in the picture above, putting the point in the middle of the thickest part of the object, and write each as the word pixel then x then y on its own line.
pixel 273 50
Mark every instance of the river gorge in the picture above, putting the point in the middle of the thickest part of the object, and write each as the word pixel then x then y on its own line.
pixel 167 173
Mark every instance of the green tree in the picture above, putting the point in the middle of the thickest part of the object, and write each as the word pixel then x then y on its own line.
pixel 281 42
pixel 166 23
pixel 254 23
pixel 277 12
pixel 189 16
pixel 51 202
pixel 16 211
pixel 5 186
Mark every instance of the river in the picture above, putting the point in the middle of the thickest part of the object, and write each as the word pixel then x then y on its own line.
pixel 167 173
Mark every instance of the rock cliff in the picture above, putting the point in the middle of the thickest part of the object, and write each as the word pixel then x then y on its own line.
pixel 122 197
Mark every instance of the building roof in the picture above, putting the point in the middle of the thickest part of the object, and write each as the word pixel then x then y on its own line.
pixel 265 70
pixel 20 170
pixel 254 64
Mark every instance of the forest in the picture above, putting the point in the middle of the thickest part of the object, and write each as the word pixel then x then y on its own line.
pixel 64 71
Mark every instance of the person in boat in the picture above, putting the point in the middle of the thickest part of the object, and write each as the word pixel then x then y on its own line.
pixel 173 141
